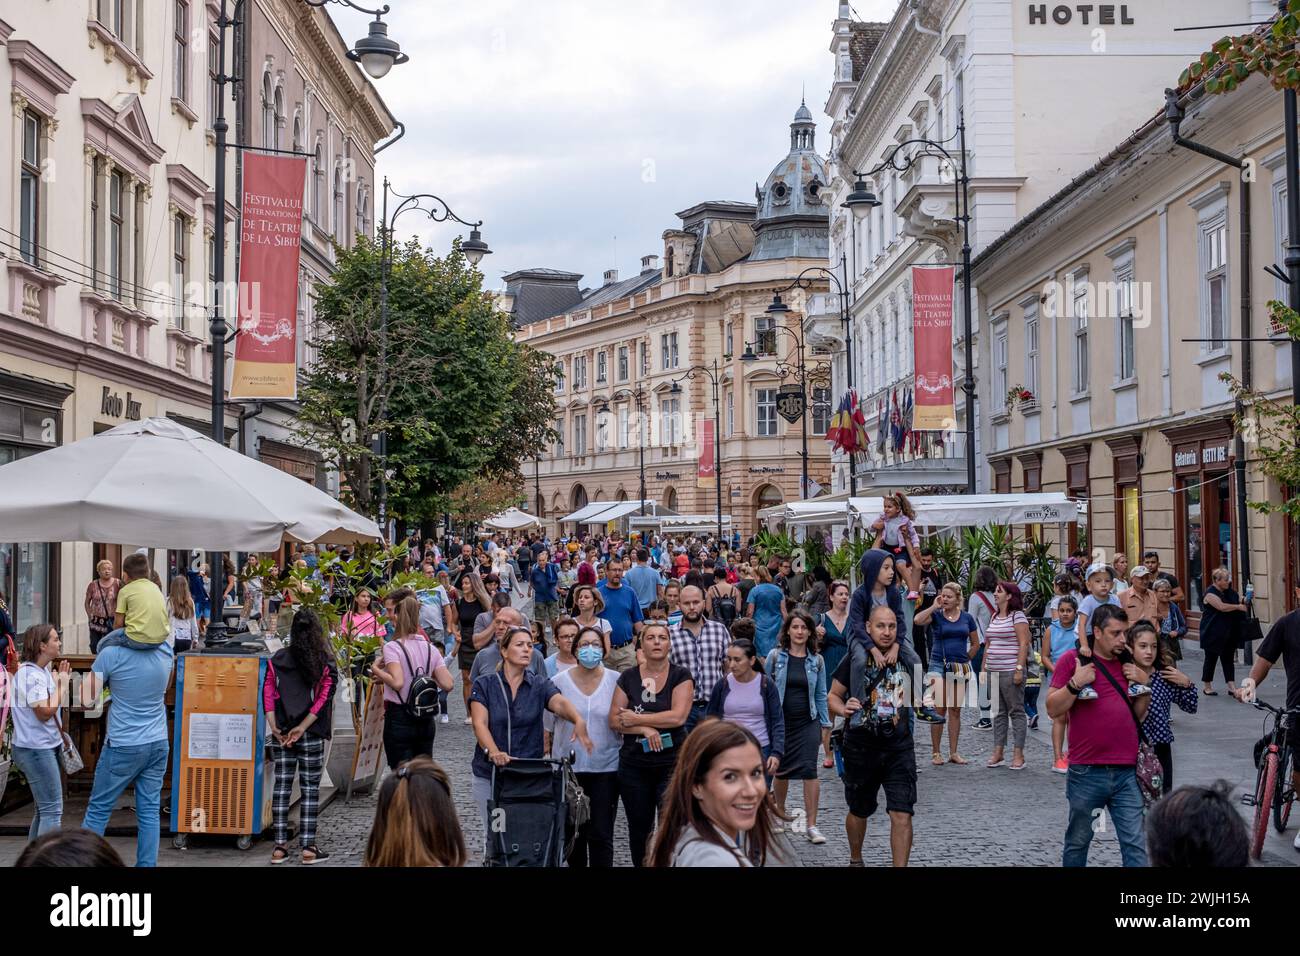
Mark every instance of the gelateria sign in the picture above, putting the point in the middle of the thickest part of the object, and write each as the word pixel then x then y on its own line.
pixel 1088 14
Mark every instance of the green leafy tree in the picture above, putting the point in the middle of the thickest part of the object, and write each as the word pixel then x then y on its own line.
pixel 457 396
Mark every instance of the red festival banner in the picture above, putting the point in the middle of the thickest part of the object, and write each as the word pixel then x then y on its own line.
pixel 932 292
pixel 707 471
pixel 269 247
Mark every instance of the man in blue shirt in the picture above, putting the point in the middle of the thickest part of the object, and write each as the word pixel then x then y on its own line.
pixel 623 612
pixel 136 750
pixel 543 579
pixel 644 581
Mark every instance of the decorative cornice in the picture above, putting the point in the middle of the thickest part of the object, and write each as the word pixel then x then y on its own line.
pixel 36 75
pixel 116 49
pixel 123 135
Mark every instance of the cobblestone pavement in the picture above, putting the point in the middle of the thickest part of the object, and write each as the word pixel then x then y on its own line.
pixel 965 816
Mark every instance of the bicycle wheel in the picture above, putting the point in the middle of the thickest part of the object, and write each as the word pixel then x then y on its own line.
pixel 1281 806
pixel 1263 801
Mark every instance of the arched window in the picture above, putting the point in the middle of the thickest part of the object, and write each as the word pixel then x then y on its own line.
pixel 317 184
pixel 670 499
pixel 336 224
pixel 279 116
pixel 363 224
pixel 579 497
pixel 268 110
pixel 297 134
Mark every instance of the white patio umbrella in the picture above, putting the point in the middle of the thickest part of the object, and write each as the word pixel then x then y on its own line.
pixel 158 484
pixel 512 519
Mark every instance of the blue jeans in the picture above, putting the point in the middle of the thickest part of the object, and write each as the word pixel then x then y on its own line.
pixel 698 710
pixel 1089 789
pixel 119 768
pixel 118 638
pixel 41 768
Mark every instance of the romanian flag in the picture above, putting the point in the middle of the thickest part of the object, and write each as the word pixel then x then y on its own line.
pixel 848 431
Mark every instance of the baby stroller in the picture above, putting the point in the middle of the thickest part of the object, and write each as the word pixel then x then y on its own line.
pixel 529 813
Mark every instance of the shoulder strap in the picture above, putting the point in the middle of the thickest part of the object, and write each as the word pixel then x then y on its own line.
pixel 506 694
pixel 1128 700
pixel 987 603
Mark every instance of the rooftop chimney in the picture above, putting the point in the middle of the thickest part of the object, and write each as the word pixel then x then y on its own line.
pixel 649 264
pixel 611 276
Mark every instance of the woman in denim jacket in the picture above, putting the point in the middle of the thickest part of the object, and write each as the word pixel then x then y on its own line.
pixel 799 673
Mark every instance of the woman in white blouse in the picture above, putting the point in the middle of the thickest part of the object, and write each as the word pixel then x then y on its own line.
pixel 590 688
pixel 38 736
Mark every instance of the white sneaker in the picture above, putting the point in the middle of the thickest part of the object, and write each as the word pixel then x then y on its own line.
pixel 468 720
pixel 815 836
pixel 446 718
pixel 1296 844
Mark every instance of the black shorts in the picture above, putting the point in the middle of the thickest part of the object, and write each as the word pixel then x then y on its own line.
pixel 899 553
pixel 868 766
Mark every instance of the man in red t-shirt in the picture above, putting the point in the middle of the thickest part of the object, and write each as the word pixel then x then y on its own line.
pixel 587 569
pixel 1103 740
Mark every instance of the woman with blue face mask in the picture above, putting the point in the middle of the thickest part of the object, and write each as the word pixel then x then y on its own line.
pixel 589 686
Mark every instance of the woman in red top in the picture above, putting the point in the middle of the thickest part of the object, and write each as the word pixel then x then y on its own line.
pixel 681 564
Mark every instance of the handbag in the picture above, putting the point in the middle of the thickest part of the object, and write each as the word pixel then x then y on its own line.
pixel 69 755
pixel 100 626
pixel 1249 630
pixel 1150 772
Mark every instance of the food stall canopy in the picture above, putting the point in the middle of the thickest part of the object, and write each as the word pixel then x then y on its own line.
pixel 158 484
pixel 599 512
pixel 512 519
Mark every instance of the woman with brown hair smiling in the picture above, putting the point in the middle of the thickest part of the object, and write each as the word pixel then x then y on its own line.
pixel 716 811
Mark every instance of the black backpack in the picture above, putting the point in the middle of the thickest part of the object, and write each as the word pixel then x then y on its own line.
pixel 724 608
pixel 422 694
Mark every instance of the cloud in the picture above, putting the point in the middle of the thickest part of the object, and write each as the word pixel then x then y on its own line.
pixel 565 123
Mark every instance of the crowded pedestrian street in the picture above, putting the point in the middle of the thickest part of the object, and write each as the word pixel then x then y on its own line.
pixel 588 436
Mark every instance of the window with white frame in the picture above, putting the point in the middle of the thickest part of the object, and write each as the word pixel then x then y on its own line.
pixel 277 105
pixel 765 335
pixel 580 434
pixel 1281 223
pixel 644 348
pixel 29 222
pixel 363 210
pixel 602 367
pixel 96 212
pixel 1079 318
pixel 580 371
pixel 623 363
pixel 559 438
pixel 181 52
pixel 119 16
pixel 603 425
pixel 180 256
pixel 731 414
pixel 1214 282
pixel 1031 348
pixel 559 378
pixel 670 421
pixel 765 412
pixel 1001 353
pixel 1125 301
pixel 624 420
pixel 116 191
pixel 214 71
pixel 668 352
pixel 821 410
pixel 728 339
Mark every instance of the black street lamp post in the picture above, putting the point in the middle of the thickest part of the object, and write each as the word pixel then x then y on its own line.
pixel 862 200
pixel 377 54
pixel 778 309
pixel 474 249
pixel 715 378
pixel 785 368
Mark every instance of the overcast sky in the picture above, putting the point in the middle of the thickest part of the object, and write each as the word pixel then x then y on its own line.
pixel 564 124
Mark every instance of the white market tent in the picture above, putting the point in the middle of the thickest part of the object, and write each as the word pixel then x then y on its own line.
pixel 512 519
pixel 682 524
pixel 969 511
pixel 158 484
pixel 932 511
pixel 600 512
